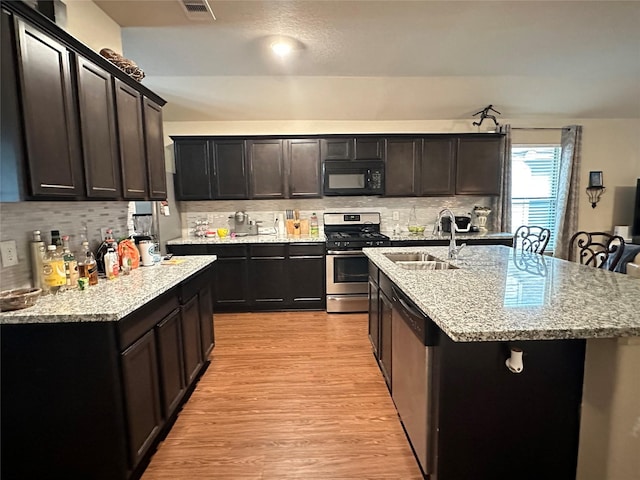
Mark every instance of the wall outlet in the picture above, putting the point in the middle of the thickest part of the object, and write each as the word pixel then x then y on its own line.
pixel 9 253
pixel 396 215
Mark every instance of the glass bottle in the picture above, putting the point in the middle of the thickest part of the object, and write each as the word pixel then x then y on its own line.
pixel 313 225
pixel 56 240
pixel 70 264
pixel 53 270
pixel 87 266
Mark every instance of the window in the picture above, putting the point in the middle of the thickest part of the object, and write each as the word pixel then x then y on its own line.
pixel 534 188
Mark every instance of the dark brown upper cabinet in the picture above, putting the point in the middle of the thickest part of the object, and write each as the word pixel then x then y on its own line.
pixel 50 122
pixel 98 128
pixel 437 166
pixel 154 148
pixel 229 170
pixel 479 164
pixel 266 168
pixel 131 140
pixel 194 164
pixel 368 148
pixel 337 148
pixel 402 163
pixel 303 168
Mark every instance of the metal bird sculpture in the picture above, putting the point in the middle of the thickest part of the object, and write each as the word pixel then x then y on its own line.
pixel 484 113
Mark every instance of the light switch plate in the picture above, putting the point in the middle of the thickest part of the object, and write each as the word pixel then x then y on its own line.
pixel 396 215
pixel 9 253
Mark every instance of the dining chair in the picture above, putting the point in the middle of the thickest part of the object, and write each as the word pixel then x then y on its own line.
pixel 530 238
pixel 597 249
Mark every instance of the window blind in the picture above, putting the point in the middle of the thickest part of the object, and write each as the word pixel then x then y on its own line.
pixel 534 189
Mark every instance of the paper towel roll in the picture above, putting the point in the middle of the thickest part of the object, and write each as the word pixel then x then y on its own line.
pixel 623 231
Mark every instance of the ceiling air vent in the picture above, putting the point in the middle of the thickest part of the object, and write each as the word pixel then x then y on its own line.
pixel 197 10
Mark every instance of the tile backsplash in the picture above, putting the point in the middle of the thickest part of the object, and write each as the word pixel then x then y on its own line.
pixel 19 220
pixel 427 208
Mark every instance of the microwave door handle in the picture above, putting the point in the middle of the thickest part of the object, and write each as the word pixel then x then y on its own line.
pixel 368 178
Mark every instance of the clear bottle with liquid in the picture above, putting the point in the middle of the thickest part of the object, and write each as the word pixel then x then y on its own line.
pixel 53 272
pixel 314 230
pixel 70 264
pixel 111 263
pixel 87 266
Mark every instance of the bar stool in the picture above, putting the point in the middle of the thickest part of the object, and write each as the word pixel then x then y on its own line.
pixel 530 238
pixel 597 249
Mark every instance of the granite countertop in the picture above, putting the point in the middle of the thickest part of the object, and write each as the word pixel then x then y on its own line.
pixel 110 300
pixel 499 294
pixel 428 235
pixel 245 239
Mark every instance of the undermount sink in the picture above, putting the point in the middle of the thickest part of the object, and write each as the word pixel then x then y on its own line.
pixel 411 257
pixel 418 261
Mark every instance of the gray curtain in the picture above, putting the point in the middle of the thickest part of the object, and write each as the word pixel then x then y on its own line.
pixel 503 208
pixel 568 189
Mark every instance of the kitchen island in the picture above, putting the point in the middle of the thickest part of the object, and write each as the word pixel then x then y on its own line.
pixel 454 338
pixel 92 380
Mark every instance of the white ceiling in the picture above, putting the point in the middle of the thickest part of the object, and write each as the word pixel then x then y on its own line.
pixel 388 60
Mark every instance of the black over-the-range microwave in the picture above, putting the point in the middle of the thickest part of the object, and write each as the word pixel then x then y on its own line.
pixel 359 177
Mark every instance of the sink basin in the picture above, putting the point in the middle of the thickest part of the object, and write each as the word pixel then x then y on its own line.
pixel 418 261
pixel 411 257
pixel 427 265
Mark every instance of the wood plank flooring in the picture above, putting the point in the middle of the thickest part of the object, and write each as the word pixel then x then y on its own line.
pixel 293 395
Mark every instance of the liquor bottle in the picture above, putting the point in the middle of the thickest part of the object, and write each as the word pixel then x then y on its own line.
pixel 38 251
pixel 56 240
pixel 53 270
pixel 87 266
pixel 70 264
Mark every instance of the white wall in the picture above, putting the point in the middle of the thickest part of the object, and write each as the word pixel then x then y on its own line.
pixel 89 24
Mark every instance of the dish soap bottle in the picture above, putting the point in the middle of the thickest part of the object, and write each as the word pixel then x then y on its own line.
pixel 314 230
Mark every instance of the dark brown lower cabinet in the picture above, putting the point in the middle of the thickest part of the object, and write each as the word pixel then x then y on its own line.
pixel 191 338
pixel 169 338
pixel 140 377
pixel 384 349
pixel 207 336
pixel 93 399
pixel 260 277
pixel 374 317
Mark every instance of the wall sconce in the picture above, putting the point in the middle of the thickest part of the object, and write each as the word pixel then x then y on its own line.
pixel 595 188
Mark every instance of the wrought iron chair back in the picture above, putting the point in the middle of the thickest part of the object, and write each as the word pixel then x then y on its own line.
pixel 530 238
pixel 597 249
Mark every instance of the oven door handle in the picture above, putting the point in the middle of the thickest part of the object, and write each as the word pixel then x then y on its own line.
pixel 346 252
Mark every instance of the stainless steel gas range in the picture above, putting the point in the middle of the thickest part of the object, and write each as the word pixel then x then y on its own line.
pixel 347 267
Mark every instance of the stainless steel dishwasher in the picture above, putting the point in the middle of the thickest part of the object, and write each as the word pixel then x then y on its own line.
pixel 413 339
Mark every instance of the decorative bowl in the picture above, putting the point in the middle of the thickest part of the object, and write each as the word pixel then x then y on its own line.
pixel 18 298
pixel 223 232
pixel 416 228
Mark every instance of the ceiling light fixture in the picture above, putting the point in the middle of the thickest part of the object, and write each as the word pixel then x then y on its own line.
pixel 281 48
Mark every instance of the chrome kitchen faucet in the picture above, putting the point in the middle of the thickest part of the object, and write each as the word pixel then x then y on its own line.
pixel 453 249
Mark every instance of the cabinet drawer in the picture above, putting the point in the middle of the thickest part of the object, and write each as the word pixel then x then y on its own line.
pixel 279 250
pixel 135 325
pixel 386 285
pixel 188 249
pixel 306 249
pixel 227 251
pixel 373 272
pixel 194 284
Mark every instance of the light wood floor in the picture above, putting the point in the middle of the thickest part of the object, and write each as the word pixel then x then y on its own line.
pixel 288 396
